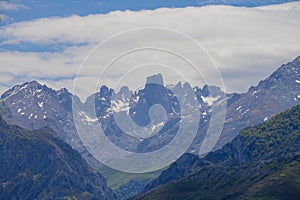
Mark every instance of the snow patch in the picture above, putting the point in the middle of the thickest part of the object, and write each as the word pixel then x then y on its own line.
pixel 238 108
pixel 38 91
pixel 40 104
pixel 24 87
pixel 136 99
pixel 87 118
pixel 119 106
pixel 297 81
pixel 245 112
pixel 256 91
pixel 30 116
pixel 157 127
pixel 210 100
pixel 90 120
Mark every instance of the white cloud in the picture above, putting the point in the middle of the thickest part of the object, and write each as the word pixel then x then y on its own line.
pixel 286 6
pixel 6 5
pixel 5 18
pixel 247 44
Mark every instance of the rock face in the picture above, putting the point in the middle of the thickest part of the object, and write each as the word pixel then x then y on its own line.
pixel 182 167
pixel 256 164
pixel 37 165
pixel 275 94
pixel 33 106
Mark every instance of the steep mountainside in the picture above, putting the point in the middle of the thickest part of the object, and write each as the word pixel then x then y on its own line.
pixel 278 92
pixel 33 106
pixel 260 159
pixel 274 179
pixel 36 165
pixel 275 94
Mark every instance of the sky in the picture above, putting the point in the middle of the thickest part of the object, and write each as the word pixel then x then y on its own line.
pixel 73 43
pixel 33 9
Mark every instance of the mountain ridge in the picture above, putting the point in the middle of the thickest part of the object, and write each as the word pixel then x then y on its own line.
pixel 258 152
pixel 37 165
pixel 43 106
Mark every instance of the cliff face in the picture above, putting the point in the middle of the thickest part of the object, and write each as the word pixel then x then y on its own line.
pixel 36 165
pixel 33 106
pixel 262 162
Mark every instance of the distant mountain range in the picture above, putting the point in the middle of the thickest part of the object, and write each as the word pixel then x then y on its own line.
pixel 37 165
pixel 275 94
pixel 263 162
pixel 33 106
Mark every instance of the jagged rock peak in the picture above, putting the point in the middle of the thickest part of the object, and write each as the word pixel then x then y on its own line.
pixel 104 92
pixel 297 59
pixel 186 86
pixel 28 85
pixel 124 90
pixel 124 93
pixel 213 91
pixel 292 68
pixel 155 79
pixel 63 91
pixel 285 76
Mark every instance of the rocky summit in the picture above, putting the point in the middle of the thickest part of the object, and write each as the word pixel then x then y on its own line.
pixel 33 106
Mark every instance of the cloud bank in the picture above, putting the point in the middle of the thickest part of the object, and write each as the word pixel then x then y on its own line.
pixel 246 44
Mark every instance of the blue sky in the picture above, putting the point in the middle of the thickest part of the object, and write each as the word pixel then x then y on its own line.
pixel 21 10
pixel 33 9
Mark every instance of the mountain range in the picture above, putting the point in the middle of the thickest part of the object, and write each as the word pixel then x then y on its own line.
pixel 263 162
pixel 33 106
